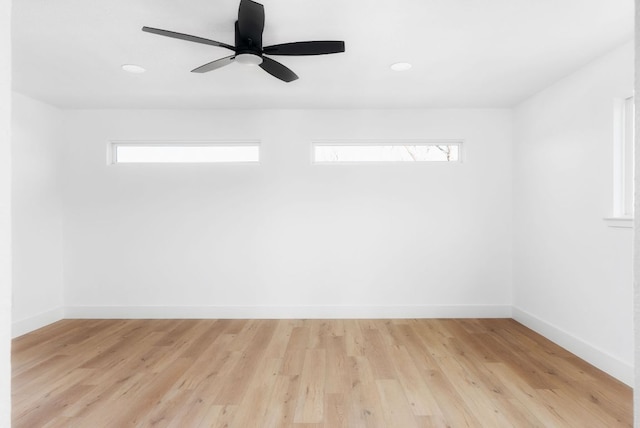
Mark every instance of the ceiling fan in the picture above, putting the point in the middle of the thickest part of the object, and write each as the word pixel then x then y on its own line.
pixel 248 48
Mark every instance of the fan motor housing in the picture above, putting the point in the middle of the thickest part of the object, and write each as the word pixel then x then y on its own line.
pixel 247 45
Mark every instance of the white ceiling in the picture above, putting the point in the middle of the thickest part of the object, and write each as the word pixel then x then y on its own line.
pixel 465 53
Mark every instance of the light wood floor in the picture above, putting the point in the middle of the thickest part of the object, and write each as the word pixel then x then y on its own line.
pixel 306 373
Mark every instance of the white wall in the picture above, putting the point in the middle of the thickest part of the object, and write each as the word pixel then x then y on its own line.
pixel 36 214
pixel 5 213
pixel 276 238
pixel 572 273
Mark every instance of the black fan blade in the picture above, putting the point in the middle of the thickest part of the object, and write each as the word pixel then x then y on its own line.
pixel 320 47
pixel 278 70
pixel 187 37
pixel 251 22
pixel 214 65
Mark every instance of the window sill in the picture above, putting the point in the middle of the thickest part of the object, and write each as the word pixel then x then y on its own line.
pixel 623 222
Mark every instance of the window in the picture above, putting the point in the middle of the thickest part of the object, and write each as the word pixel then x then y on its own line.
pixel 626 166
pixel 623 158
pixel 160 152
pixel 386 152
pixel 623 154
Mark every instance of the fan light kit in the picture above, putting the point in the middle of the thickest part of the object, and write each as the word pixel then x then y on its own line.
pixel 400 66
pixel 132 68
pixel 248 47
pixel 249 59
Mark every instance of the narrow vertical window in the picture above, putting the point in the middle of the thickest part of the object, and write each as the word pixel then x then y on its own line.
pixel 628 175
pixel 623 155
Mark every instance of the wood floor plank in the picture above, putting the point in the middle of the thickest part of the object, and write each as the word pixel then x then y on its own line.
pixel 306 373
pixel 376 352
pixel 219 416
pixel 395 407
pixel 337 371
pixel 524 393
pixel 282 402
pixel 258 394
pixel 335 411
pixel 454 408
pixel 604 399
pixel 365 408
pixel 55 405
pixel 354 339
pixel 432 422
pixel 310 400
pixel 475 396
pixel 237 382
pixel 418 393
pixel 214 360
pixel 208 333
pixel 280 339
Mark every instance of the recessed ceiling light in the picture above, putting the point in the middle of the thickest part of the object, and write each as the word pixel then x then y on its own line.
pixel 132 68
pixel 400 66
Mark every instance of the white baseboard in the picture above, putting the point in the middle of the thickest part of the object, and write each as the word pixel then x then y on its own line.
pixel 588 352
pixel 302 312
pixel 24 326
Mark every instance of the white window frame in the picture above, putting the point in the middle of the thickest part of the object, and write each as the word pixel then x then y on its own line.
pixel 114 144
pixel 623 159
pixel 457 142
